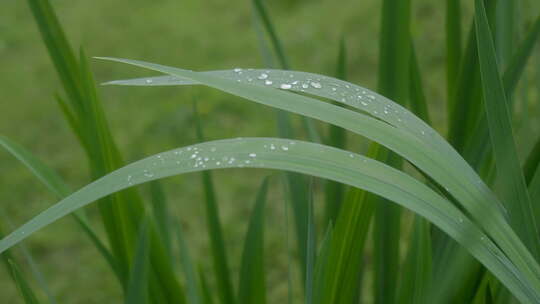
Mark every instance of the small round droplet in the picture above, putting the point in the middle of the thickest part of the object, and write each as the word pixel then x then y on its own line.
pixel 263 76
pixel 238 70
pixel 316 85
pixel 305 86
pixel 285 86
pixel 252 155
pixel 268 82
pixel 148 80
pixel 284 148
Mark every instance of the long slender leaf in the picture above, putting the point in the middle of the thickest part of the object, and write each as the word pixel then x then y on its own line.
pixel 192 282
pixel 417 142
pixel 307 158
pixel 393 82
pixel 337 137
pixel 219 253
pixel 252 282
pixel 23 286
pixel 122 212
pixel 297 184
pixel 137 289
pixel 453 43
pixel 56 185
pixel 515 192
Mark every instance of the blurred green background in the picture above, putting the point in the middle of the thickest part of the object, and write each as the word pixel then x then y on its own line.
pixel 198 35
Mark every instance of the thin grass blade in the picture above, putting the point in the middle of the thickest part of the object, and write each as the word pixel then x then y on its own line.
pixel 515 192
pixel 453 44
pixel 411 138
pixel 305 158
pixel 137 289
pixel 252 282
pixel 215 231
pixel 193 288
pixel 22 285
pixel 337 137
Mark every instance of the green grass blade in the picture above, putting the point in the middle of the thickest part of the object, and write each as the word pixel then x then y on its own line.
pixel 532 163
pixel 264 18
pixel 337 137
pixel 416 275
pixel 478 147
pixel 160 212
pixel 515 192
pixel 252 282
pixel 464 103
pixel 56 185
pixel 297 184
pixel 344 253
pixel 393 82
pixel 518 61
pixel 321 266
pixel 407 135
pixel 418 103
pixel 193 288
pixel 453 43
pixel 205 289
pixel 305 158
pixel 22 285
pixel 87 115
pixel 219 253
pixel 505 33
pixel 29 259
pixel 137 289
pixel 311 248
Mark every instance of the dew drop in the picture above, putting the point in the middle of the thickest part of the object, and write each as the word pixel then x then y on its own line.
pixel 252 155
pixel 268 82
pixel 284 148
pixel 316 85
pixel 334 89
pixel 148 80
pixel 272 147
pixel 263 76
pixel 148 173
pixel 305 86
pixel 238 70
pixel 285 86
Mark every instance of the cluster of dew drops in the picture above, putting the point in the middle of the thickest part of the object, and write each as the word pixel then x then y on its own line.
pixel 194 157
pixel 340 91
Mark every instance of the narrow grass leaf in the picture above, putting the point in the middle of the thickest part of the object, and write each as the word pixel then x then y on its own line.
pixel 407 135
pixel 215 231
pixel 137 289
pixel 56 185
pixel 311 248
pixel 22 285
pixel 160 212
pixel 514 193
pixel 193 289
pixel 297 184
pixel 532 163
pixel 453 43
pixel 337 137
pixel 252 281
pixel 393 82
pixel 305 158
pixel 205 289
pixel 321 267
pixel 416 275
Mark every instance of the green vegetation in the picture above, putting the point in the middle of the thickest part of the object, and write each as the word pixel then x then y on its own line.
pixel 395 215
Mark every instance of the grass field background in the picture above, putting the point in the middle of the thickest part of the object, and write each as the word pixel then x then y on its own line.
pixel 198 35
